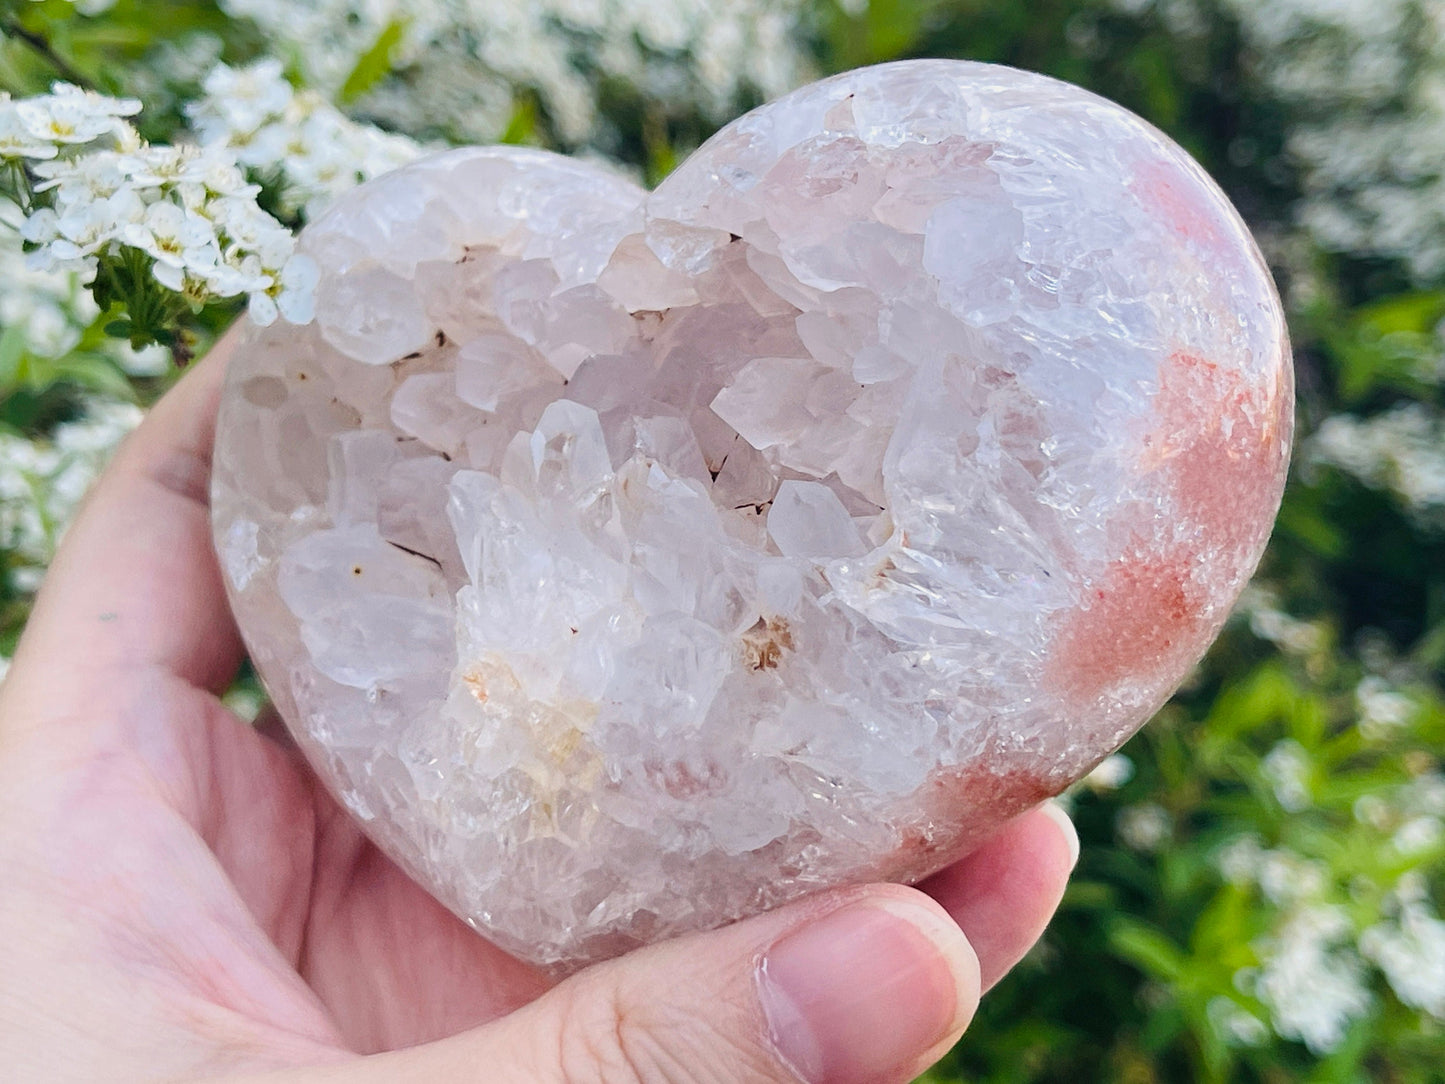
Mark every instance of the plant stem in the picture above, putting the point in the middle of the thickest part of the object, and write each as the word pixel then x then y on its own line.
pixel 23 194
pixel 41 45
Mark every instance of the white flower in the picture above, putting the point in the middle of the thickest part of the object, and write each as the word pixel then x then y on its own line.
pixel 174 236
pixel 1374 811
pixel 72 116
pixel 1412 887
pixel 297 297
pixel 244 225
pixel 196 285
pixel 42 227
pixel 84 229
pixel 1261 606
pixel 239 100
pixel 1286 878
pixel 254 117
pixel 1425 795
pixel 174 277
pixel 1312 983
pixel 224 178
pixel 215 175
pixel 1143 827
pixel 161 167
pixel 71 240
pixel 1383 711
pixel 1111 773
pixel 96 175
pixel 49 305
pixel 1402 450
pixel 262 309
pixel 243 275
pixel 17 140
pixel 290 293
pixel 189 208
pixel 1287 767
pixel 1417 835
pixel 42 482
pixel 462 62
pixel 1240 859
pixel 1411 953
pixel 1235 1024
pixel 88 101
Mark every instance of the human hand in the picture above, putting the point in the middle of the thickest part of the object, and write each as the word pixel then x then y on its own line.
pixel 180 899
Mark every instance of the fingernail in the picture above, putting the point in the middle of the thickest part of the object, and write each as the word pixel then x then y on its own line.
pixel 1055 813
pixel 867 990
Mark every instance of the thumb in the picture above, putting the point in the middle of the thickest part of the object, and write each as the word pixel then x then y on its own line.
pixel 860 985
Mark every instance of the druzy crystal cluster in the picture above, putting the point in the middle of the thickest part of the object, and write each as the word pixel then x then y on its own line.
pixel 631 562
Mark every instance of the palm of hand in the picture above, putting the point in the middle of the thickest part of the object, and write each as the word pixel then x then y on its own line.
pixel 161 839
pixel 180 897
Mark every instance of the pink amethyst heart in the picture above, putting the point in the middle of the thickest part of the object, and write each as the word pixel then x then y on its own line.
pixel 628 563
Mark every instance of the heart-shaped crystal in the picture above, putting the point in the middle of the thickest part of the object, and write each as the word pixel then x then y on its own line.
pixel 629 563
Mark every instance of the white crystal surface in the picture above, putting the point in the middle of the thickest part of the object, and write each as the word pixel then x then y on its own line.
pixel 629 563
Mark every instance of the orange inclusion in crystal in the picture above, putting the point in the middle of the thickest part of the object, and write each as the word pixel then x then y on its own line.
pixel 963 807
pixel 1218 448
pixel 1188 208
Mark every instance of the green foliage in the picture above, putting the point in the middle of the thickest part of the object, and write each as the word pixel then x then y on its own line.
pixel 374 65
pixel 24 372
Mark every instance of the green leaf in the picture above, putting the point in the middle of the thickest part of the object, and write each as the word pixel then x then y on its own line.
pixel 1311 527
pixel 374 65
pixel 522 126
pixel 883 30
pixel 1263 695
pixel 1344 1064
pixel 93 371
pixel 1149 949
pixel 893 26
pixel 12 357
pixel 1416 312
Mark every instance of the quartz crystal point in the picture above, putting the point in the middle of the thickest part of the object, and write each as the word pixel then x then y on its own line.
pixel 628 563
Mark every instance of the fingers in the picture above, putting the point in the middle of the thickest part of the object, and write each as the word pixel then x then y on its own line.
pixel 136 584
pixel 860 985
pixel 1003 894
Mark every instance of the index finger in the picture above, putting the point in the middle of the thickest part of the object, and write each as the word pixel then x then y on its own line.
pixel 1003 895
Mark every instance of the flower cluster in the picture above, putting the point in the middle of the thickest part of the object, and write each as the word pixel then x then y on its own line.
pixel 461 66
pixel 1145 826
pixel 1111 773
pixel 1384 711
pixel 1409 947
pixel 1401 450
pixel 1312 977
pixel 41 127
pixel 1260 606
pixel 42 483
pixel 121 212
pixel 1286 767
pixel 255 117
pixel 52 311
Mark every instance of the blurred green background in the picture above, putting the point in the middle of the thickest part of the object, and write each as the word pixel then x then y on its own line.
pixel 1259 893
